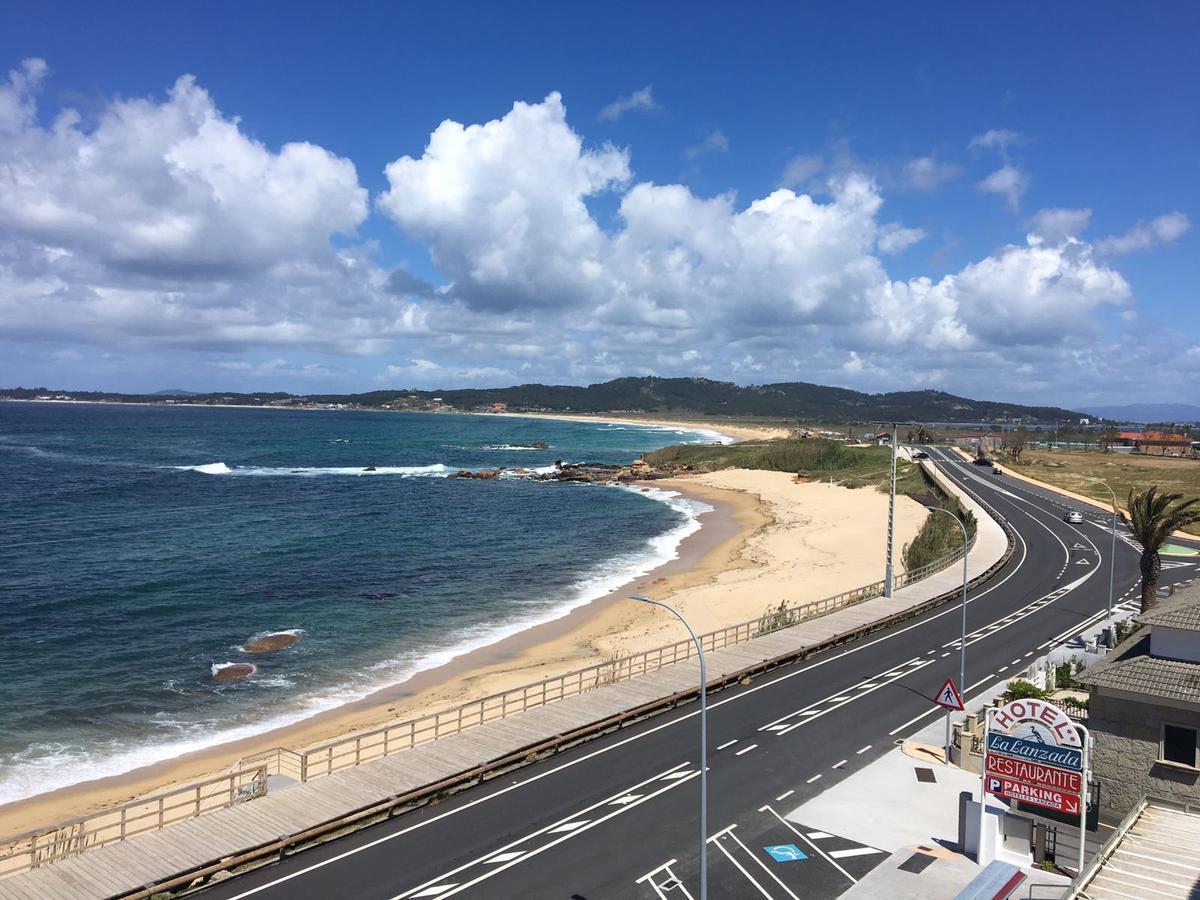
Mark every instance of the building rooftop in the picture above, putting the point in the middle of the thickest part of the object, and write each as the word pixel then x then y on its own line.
pixel 1181 611
pixel 1131 668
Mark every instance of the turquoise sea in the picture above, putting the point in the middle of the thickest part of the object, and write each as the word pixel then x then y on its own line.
pixel 144 545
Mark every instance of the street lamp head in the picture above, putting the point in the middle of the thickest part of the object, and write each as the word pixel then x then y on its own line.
pixel 641 598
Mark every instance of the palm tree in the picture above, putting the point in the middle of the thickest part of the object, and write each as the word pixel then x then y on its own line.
pixel 1152 518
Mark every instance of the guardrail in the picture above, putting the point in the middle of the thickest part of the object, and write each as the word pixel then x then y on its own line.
pixel 344 753
pixel 37 848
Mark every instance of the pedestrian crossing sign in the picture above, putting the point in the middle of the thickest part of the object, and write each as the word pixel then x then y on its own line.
pixel 949 696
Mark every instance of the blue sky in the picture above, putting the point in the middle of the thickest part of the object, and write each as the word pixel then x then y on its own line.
pixel 839 193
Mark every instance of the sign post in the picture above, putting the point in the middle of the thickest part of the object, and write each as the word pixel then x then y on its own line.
pixel 949 697
pixel 1034 753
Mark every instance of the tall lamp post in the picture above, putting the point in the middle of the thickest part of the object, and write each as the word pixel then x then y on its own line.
pixel 1112 564
pixel 962 644
pixel 703 741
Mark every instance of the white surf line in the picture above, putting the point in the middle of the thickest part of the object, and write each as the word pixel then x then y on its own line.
pixel 573 825
pixel 817 850
pixel 741 695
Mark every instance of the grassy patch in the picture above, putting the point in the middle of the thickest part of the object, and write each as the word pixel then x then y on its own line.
pixel 938 537
pixel 819 460
pixel 1075 470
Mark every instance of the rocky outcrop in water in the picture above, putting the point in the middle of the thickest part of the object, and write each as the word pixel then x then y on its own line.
pixel 269 643
pixel 587 472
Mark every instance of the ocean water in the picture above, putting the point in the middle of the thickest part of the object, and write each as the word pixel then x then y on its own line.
pixel 144 545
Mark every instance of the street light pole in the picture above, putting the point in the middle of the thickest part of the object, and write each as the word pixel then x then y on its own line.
pixel 703 741
pixel 962 644
pixel 888 570
pixel 1112 564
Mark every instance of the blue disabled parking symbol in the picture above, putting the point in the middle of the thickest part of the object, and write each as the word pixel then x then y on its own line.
pixel 786 853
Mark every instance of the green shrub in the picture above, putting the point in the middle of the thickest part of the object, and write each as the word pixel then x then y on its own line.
pixel 1023 690
pixel 938 537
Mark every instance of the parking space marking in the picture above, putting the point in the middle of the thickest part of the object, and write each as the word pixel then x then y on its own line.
pixel 856 851
pixel 728 744
pixel 745 750
pixel 785 795
pixel 792 828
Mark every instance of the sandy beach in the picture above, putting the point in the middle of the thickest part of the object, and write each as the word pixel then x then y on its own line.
pixel 767 539
pixel 740 431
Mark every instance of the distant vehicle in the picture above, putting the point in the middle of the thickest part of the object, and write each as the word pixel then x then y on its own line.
pixel 1073 516
pixel 996 470
pixel 983 461
pixel 920 454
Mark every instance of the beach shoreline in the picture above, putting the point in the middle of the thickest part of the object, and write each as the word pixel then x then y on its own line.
pixel 762 533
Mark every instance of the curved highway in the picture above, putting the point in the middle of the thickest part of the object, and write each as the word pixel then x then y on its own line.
pixel 615 818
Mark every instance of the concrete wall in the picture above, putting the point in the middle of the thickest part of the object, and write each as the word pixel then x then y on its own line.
pixel 1175 643
pixel 1127 732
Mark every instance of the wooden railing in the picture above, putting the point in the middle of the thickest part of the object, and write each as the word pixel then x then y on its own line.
pixel 345 753
pixel 37 848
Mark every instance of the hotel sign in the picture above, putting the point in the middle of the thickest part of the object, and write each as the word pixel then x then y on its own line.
pixel 1033 773
pixel 1032 751
pixel 1045 797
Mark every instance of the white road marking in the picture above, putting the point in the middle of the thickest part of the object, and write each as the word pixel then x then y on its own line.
pixel 1002 668
pixel 814 778
pixel 862 751
pixel 745 750
pixel 579 827
pixel 436 891
pixel 857 851
pixel 818 835
pixel 944 655
pixel 568 826
pixel 763 866
pixel 785 795
pixel 504 857
pixel 728 744
pixel 838 765
pixel 729 856
pixel 792 828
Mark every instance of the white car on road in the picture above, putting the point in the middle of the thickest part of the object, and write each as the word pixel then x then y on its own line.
pixel 1074 516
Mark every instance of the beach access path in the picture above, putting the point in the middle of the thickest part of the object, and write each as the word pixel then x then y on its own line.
pixel 300 811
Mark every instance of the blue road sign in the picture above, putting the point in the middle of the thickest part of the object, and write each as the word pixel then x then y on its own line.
pixel 786 853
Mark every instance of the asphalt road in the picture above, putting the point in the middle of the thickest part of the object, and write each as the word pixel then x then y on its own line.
pixel 616 818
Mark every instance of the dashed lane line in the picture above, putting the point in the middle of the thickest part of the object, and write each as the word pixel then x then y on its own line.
pixel 745 750
pixel 443 887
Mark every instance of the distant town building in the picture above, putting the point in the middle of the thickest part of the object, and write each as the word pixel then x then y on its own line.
pixel 498 407
pixel 1144 709
pixel 1142 441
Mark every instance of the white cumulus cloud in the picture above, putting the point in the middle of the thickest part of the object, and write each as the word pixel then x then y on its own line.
pixel 1009 182
pixel 1165 229
pixel 641 100
pixel 1058 224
